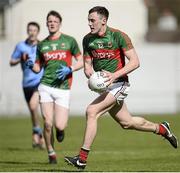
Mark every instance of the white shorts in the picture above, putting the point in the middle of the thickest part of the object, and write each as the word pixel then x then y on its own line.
pixel 49 94
pixel 119 90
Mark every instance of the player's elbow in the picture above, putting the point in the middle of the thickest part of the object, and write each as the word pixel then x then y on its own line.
pixel 126 125
pixel 12 63
pixel 136 64
pixel 36 68
pixel 80 65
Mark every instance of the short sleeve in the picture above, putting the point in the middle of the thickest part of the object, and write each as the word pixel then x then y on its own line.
pixel 124 41
pixel 17 52
pixel 85 48
pixel 75 51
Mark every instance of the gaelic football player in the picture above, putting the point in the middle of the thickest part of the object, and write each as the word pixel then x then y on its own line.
pixel 55 53
pixel 23 50
pixel 105 49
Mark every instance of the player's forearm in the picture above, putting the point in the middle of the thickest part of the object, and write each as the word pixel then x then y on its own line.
pixel 14 62
pixel 128 68
pixel 133 64
pixel 78 65
pixel 88 70
pixel 36 68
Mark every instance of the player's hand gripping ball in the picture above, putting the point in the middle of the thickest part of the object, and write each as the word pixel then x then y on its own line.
pixel 97 81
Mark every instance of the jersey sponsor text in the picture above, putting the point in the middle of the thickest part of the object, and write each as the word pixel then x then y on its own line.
pixel 58 55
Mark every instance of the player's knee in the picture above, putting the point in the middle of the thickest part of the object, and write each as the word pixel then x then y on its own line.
pixel 91 113
pixel 47 126
pixel 61 127
pixel 33 107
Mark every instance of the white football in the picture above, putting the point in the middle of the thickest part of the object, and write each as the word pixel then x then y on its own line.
pixel 97 81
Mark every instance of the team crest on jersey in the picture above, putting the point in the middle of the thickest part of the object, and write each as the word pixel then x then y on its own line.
pixel 109 44
pixel 63 45
pixel 54 46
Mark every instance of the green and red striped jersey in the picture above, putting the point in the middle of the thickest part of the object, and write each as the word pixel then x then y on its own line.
pixel 53 52
pixel 107 51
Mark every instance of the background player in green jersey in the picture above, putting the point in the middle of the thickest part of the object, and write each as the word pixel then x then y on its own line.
pixel 55 54
pixel 105 49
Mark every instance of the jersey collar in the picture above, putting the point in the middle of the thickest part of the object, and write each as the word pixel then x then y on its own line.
pixel 103 35
pixel 28 43
pixel 54 37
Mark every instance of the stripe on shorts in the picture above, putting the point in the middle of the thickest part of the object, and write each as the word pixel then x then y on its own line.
pixel 121 91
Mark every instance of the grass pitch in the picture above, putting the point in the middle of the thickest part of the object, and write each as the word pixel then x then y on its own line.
pixel 114 149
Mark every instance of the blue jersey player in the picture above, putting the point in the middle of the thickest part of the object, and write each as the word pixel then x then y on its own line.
pixel 23 51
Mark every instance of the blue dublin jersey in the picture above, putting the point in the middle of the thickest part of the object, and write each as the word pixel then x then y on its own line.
pixel 30 78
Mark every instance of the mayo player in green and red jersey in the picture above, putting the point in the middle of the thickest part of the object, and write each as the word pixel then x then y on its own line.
pixel 55 54
pixel 105 49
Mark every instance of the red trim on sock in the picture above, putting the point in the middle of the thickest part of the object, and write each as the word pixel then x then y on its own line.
pixel 83 154
pixel 162 130
pixel 52 156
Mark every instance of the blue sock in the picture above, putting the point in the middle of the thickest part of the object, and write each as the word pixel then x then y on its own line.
pixel 37 130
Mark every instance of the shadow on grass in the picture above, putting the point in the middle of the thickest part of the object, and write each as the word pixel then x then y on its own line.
pixel 62 170
pixel 48 169
pixel 56 170
pixel 21 149
pixel 14 163
pixel 22 163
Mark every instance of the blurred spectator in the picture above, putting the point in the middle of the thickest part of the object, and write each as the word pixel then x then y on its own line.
pixel 163 20
pixel 167 21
